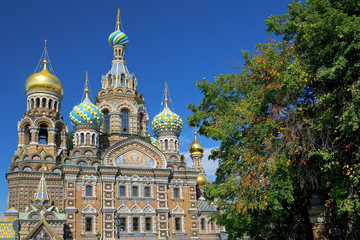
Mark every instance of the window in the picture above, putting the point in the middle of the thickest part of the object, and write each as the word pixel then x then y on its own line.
pixel 122 225
pixel 122 191
pixel 89 191
pixel 106 121
pixel 177 224
pixel 125 121
pixel 82 137
pixel 135 191
pixel 135 224
pixel 202 224
pixel 176 193
pixel 88 224
pixel 148 224
pixel 141 122
pixel 166 144
pixel 147 191
pixel 43 135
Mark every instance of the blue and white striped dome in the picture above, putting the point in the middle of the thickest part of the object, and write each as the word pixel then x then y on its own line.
pixel 118 38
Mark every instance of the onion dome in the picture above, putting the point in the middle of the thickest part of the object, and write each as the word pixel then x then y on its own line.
pixel 196 147
pixel 201 180
pixel 86 112
pixel 118 37
pixel 44 80
pixel 154 141
pixel 167 121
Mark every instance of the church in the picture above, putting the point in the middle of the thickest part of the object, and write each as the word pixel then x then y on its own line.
pixel 107 178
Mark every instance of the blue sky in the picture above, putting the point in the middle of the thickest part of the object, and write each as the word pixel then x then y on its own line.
pixel 179 42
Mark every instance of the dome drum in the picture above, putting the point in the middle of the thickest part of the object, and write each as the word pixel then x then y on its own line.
pixel 88 126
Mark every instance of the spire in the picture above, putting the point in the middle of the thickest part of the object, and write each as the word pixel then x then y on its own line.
pixel 86 87
pixel 166 99
pixel 41 193
pixel 118 20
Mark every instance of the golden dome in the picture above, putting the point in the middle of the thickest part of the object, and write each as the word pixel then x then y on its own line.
pixel 44 80
pixel 201 180
pixel 196 147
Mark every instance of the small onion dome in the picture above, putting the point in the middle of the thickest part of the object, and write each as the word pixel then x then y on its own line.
pixel 118 38
pixel 201 180
pixel 167 121
pixel 44 80
pixel 86 112
pixel 154 141
pixel 196 147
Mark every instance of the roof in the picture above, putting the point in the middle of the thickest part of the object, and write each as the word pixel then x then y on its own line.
pixel 205 206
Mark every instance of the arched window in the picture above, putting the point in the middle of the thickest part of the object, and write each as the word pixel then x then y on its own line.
pixel 37 102
pixel 44 103
pixel 82 138
pixel 176 193
pixel 124 121
pixel 106 121
pixel 27 134
pixel 166 144
pixel 110 79
pixel 202 224
pixel 55 105
pixel 50 103
pixel 93 139
pixel 141 118
pixel 122 79
pixel 43 134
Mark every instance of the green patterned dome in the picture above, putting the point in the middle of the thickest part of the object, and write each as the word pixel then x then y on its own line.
pixel 167 122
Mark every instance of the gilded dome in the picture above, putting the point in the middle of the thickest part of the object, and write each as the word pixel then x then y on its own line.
pixel 44 80
pixel 201 180
pixel 167 121
pixel 196 147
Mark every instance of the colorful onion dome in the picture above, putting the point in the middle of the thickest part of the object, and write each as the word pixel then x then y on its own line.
pixel 118 38
pixel 154 141
pixel 200 180
pixel 44 80
pixel 196 147
pixel 167 121
pixel 86 112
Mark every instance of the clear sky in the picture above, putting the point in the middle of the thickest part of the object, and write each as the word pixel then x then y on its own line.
pixel 177 41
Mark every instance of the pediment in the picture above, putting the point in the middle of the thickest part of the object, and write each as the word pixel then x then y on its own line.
pixel 88 209
pixel 123 209
pixel 134 152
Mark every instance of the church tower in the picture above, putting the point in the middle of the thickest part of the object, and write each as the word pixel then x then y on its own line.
pixel 120 103
pixel 42 136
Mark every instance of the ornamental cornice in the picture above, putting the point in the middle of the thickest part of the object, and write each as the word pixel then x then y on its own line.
pixel 45 91
pixel 86 126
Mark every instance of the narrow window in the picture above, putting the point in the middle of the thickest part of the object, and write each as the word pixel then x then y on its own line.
pixel 176 193
pixel 135 191
pixel 147 191
pixel 148 224
pixel 82 138
pixel 135 224
pixel 44 103
pixel 125 121
pixel 122 225
pixel 50 104
pixel 141 122
pixel 177 224
pixel 122 191
pixel 89 191
pixel 202 224
pixel 93 139
pixel 106 121
pixel 166 144
pixel 55 105
pixel 88 225
pixel 37 102
pixel 122 80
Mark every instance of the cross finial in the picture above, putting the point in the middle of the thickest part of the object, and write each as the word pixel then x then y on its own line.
pixel 45 54
pixel 166 99
pixel 118 20
pixel 86 86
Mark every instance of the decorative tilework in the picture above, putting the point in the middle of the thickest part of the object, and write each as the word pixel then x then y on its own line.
pixel 6 230
pixel 86 112
pixel 167 121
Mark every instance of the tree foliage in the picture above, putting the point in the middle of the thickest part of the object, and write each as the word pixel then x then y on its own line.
pixel 289 126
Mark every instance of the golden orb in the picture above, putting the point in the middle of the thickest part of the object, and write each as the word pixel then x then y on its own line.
pixel 44 80
pixel 196 147
pixel 201 180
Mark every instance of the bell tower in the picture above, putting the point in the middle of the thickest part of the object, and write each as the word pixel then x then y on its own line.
pixel 42 132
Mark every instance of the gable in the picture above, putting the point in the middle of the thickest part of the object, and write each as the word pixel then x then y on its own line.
pixel 134 152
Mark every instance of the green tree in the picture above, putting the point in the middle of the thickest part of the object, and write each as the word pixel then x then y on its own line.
pixel 289 125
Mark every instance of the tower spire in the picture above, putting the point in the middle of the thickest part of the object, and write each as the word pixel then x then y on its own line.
pixel 45 55
pixel 41 193
pixel 118 20
pixel 86 86
pixel 166 99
